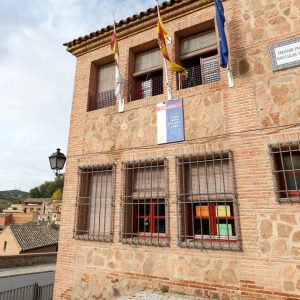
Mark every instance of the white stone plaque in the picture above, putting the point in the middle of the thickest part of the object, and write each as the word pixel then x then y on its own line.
pixel 285 54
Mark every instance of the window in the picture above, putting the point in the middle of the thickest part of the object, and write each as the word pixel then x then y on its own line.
pixel 95 202
pixel 147 76
pixel 286 170
pixel 199 55
pixel 4 246
pixel 206 202
pixel 105 88
pixel 144 203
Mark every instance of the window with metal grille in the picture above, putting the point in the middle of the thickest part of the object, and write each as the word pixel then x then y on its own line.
pixel 95 204
pixel 144 214
pixel 148 76
pixel 199 55
pixel 286 170
pixel 105 94
pixel 206 202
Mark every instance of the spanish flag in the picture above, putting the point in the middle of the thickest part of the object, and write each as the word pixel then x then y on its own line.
pixel 162 36
pixel 114 46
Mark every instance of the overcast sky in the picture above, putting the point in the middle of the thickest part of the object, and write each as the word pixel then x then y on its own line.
pixel 36 79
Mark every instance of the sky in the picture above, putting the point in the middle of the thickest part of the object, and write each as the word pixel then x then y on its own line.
pixel 36 79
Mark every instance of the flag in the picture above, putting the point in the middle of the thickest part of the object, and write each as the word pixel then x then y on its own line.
pixel 162 36
pixel 118 79
pixel 222 36
pixel 114 46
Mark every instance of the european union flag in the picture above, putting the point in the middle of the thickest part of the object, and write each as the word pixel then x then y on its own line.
pixel 223 42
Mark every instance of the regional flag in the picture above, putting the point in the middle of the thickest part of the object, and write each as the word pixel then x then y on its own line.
pixel 222 36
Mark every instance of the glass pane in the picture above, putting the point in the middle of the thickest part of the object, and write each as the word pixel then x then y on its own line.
pixel 160 210
pixel 201 210
pixel 290 181
pixel 144 225
pixel 296 160
pixel 201 227
pixel 287 162
pixel 160 225
pixel 224 210
pixel 225 228
pixel 144 209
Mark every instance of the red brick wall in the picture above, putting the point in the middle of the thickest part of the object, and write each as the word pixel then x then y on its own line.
pixel 5 220
pixel 245 119
pixel 19 219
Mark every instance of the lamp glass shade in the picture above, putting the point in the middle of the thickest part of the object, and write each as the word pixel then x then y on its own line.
pixel 57 160
pixel 52 160
pixel 60 162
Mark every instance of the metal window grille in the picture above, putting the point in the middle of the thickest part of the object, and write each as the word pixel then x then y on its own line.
pixel 286 170
pixel 144 203
pixel 206 202
pixel 205 70
pixel 95 204
pixel 102 100
pixel 210 71
pixel 146 86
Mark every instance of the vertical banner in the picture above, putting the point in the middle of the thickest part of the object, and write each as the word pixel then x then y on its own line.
pixel 170 123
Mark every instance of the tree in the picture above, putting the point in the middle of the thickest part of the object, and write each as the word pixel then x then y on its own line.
pixel 46 189
pixel 35 193
pixel 57 195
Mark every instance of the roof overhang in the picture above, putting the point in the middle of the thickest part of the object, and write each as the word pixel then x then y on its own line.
pixel 135 24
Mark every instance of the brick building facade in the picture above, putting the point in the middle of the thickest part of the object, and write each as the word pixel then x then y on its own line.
pixel 214 215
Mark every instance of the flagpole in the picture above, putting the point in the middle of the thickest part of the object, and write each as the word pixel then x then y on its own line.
pixel 229 72
pixel 222 30
pixel 169 92
pixel 118 81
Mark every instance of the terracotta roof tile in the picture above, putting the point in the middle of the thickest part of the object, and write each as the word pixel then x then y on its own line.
pixel 34 236
pixel 37 200
pixel 108 28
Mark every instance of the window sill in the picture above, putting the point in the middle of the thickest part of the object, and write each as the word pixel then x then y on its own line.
pixel 151 235
pixel 160 241
pixel 88 237
pixel 216 238
pixel 289 200
pixel 214 243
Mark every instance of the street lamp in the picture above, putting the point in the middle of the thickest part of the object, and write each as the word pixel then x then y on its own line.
pixel 57 161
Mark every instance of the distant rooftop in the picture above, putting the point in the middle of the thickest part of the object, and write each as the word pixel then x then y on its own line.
pixel 37 200
pixel 3 215
pixel 34 236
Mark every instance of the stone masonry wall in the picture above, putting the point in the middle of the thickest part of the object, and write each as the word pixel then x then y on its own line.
pixel 262 108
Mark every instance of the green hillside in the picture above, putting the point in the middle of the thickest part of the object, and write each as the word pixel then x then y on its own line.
pixel 11 196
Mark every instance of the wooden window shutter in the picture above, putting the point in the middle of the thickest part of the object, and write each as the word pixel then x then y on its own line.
pixel 197 44
pixel 106 78
pixel 148 61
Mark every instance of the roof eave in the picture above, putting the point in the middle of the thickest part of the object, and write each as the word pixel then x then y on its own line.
pixel 134 24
